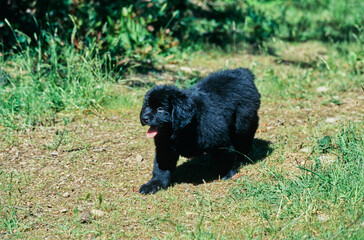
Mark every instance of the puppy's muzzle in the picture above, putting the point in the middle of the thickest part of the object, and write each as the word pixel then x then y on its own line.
pixel 144 120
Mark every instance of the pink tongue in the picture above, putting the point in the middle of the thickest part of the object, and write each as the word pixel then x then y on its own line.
pixel 151 132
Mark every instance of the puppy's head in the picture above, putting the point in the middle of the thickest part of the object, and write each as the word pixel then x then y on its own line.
pixel 166 107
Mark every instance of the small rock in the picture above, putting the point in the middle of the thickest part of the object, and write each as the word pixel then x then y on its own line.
pixel 280 122
pixel 301 161
pixel 323 218
pixel 85 217
pixel 64 210
pixel 66 194
pixel 306 150
pixel 139 158
pixel 327 159
pixel 107 163
pixel 186 69
pixel 97 213
pixel 331 120
pixel 99 150
pixel 321 89
pixel 54 153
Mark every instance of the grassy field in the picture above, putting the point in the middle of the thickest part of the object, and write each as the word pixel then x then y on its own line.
pixel 74 155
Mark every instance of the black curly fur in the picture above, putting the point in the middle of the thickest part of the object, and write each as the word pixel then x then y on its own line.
pixel 217 116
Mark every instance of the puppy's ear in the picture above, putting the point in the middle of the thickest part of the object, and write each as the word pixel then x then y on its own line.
pixel 183 111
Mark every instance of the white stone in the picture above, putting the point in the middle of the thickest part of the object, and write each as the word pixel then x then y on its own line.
pixel 331 120
pixel 97 213
pixel 139 158
pixel 321 89
pixel 323 217
pixel 306 150
pixel 64 210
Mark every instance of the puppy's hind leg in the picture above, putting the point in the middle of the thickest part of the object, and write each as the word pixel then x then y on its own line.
pixel 243 138
pixel 225 161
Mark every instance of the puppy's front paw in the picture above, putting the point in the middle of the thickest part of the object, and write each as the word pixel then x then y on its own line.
pixel 229 175
pixel 151 187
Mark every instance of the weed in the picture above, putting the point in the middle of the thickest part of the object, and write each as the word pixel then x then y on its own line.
pixel 8 215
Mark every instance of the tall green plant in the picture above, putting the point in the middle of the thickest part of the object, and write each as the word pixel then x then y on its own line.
pixel 44 82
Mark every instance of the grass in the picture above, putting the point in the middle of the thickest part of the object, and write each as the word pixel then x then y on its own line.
pixel 308 184
pixel 309 20
pixel 325 198
pixel 43 83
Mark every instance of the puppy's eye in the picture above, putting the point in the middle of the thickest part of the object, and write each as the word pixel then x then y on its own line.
pixel 160 109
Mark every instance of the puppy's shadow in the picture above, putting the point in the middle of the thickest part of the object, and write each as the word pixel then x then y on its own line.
pixel 201 169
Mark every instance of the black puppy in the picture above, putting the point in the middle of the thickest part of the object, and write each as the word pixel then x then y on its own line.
pixel 217 116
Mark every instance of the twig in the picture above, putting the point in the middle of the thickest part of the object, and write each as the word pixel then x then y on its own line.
pixel 280 207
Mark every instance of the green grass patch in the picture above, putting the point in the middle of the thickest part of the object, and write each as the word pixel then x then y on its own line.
pixel 9 219
pixel 120 97
pixel 325 200
pixel 42 84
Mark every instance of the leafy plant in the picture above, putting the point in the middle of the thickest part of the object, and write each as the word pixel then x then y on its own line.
pixel 324 143
pixel 130 39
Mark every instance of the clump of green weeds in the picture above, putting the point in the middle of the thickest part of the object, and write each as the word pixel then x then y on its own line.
pixel 9 221
pixel 328 194
pixel 45 82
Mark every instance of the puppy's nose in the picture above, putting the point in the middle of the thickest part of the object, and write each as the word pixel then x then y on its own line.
pixel 144 120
